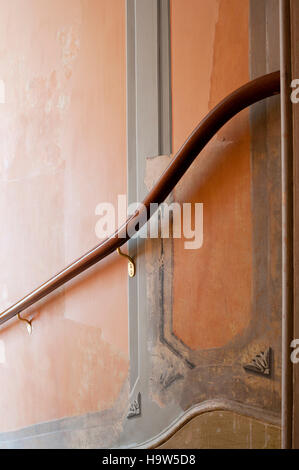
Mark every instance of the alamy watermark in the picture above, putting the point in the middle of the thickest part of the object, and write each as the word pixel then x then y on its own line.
pixel 295 354
pixel 295 342
pixel 295 93
pixel 166 220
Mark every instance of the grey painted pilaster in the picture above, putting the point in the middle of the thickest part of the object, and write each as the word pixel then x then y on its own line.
pixel 148 135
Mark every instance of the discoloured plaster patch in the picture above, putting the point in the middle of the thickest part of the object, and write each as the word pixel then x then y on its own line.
pixel 154 169
pixel 32 140
pixel 93 430
pixel 69 40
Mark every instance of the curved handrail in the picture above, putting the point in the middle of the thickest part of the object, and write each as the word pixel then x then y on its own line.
pixel 248 94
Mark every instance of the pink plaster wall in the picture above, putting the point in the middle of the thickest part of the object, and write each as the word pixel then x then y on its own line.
pixel 62 151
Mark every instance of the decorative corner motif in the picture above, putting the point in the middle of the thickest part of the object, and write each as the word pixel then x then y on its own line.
pixel 135 407
pixel 261 363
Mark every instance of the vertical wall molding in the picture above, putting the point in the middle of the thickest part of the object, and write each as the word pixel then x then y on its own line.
pixel 287 222
pixel 149 134
pixel 294 11
pixel 266 191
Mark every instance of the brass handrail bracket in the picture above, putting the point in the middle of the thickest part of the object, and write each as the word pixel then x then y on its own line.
pixel 28 323
pixel 131 263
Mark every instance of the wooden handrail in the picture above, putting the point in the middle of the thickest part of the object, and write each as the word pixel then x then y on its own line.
pixel 250 93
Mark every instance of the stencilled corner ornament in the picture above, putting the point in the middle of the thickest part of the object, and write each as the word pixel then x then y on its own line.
pixel 135 407
pixel 261 363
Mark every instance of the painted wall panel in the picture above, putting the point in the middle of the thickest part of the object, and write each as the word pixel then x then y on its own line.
pixel 211 311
